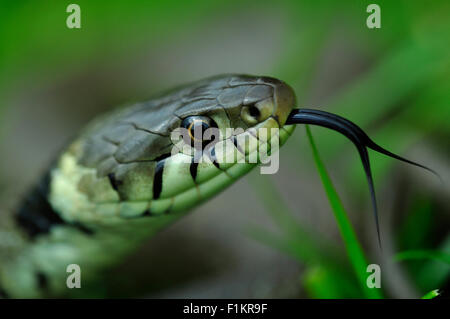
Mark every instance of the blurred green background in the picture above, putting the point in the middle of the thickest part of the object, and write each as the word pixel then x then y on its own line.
pixel 266 236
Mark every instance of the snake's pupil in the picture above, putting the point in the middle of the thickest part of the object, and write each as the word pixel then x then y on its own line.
pixel 254 112
pixel 198 128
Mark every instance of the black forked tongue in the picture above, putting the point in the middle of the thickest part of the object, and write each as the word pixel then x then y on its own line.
pixel 357 136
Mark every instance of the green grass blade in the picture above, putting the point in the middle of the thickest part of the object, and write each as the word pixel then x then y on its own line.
pixel 352 245
pixel 432 294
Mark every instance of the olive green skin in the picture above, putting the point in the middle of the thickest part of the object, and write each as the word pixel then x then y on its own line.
pixel 105 180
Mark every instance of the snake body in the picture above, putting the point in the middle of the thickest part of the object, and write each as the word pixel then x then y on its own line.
pixel 119 182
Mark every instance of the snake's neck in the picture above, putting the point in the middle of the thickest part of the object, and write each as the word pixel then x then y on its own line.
pixel 39 244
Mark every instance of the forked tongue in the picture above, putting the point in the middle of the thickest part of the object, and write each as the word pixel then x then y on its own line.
pixel 357 136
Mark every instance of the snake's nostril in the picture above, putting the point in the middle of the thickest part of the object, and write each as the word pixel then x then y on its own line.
pixel 256 113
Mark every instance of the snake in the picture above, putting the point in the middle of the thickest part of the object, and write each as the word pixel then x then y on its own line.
pixel 124 177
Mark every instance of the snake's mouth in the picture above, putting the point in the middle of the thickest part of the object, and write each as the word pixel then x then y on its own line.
pixel 354 134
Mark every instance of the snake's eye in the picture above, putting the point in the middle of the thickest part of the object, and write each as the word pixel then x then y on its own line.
pixel 253 114
pixel 196 127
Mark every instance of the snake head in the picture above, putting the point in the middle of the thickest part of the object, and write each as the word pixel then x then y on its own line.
pixel 129 158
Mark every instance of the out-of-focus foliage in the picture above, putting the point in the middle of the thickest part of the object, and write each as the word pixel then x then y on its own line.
pixel 432 294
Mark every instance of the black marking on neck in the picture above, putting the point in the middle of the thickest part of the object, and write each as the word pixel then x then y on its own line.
pixel 213 158
pixel 158 179
pixel 115 183
pixel 234 139
pixel 36 216
pixel 193 168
